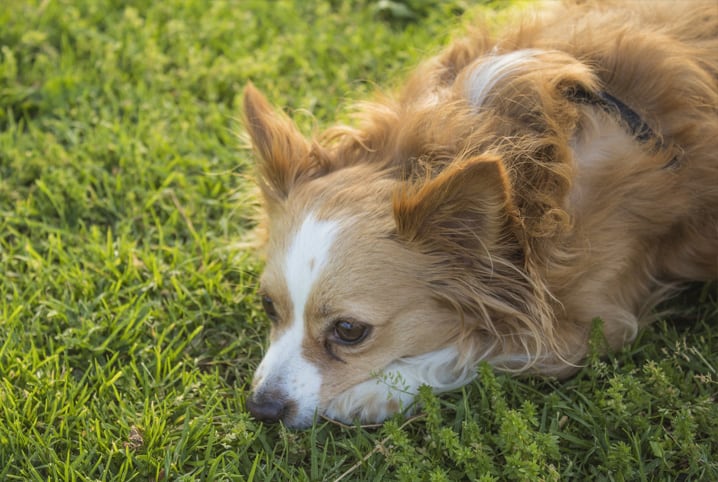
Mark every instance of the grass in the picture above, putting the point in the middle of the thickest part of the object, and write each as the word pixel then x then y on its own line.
pixel 129 326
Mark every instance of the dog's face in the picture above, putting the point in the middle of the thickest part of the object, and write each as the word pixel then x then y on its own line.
pixel 356 262
pixel 345 302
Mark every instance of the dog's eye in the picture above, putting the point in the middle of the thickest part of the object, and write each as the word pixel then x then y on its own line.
pixel 269 308
pixel 350 332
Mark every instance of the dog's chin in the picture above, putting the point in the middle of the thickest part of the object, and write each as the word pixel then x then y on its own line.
pixel 370 402
pixel 394 390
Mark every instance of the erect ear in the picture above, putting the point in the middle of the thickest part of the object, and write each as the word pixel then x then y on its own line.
pixel 459 211
pixel 285 157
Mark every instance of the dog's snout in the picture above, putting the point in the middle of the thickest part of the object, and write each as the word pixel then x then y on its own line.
pixel 269 407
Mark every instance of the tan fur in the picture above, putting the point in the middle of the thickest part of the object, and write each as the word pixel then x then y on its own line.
pixel 506 228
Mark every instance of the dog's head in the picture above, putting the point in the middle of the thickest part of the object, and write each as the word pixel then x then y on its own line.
pixel 365 274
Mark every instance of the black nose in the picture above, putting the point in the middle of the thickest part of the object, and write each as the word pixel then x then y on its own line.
pixel 267 407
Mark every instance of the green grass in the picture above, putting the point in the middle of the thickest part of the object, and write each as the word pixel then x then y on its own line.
pixel 129 325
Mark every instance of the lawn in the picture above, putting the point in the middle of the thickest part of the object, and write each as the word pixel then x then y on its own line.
pixel 129 325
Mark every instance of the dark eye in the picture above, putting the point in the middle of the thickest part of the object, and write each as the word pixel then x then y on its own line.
pixel 350 332
pixel 269 308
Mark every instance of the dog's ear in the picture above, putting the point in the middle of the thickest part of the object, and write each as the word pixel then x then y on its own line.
pixel 285 157
pixel 462 210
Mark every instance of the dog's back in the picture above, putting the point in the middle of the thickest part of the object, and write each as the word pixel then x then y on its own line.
pixel 606 117
pixel 648 217
pixel 661 58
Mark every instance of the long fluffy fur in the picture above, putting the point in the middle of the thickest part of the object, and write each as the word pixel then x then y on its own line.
pixel 526 213
pixel 662 60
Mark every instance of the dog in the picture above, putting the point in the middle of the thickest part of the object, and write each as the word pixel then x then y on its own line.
pixel 516 188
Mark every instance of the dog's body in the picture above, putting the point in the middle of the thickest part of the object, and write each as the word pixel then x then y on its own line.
pixel 514 191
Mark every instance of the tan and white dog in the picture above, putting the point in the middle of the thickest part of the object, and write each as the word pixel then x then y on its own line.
pixel 513 191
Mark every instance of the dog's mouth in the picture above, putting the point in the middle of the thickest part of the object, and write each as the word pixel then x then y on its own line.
pixel 380 396
pixel 371 401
